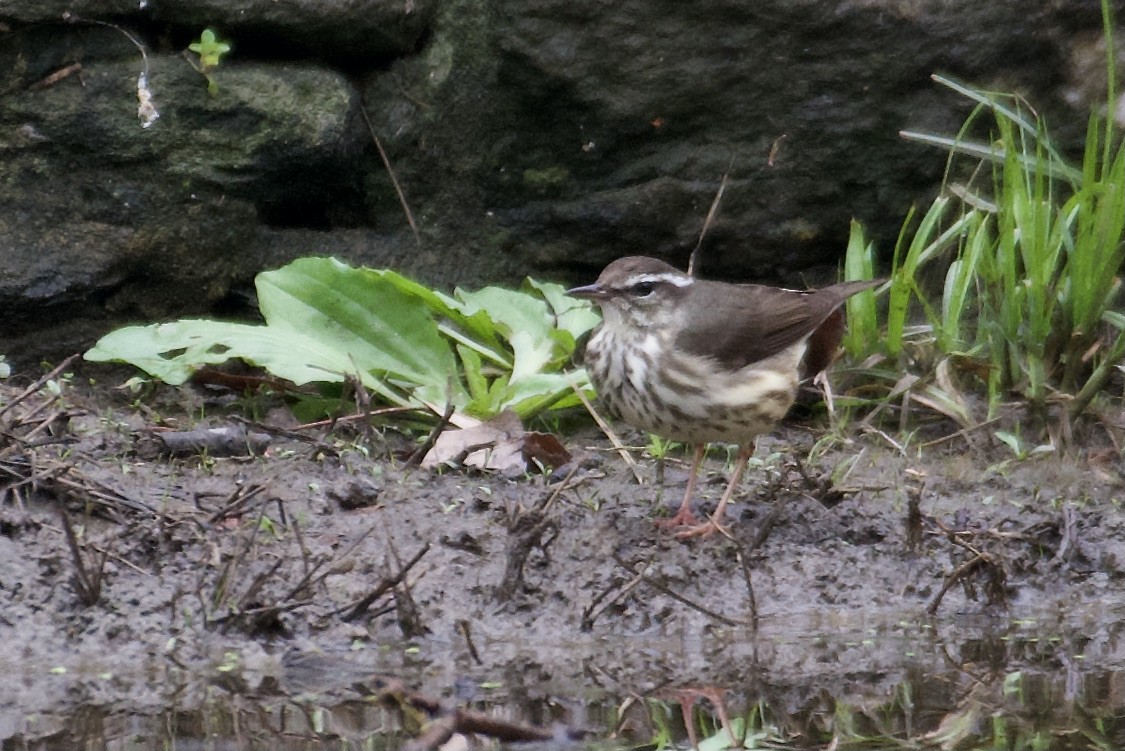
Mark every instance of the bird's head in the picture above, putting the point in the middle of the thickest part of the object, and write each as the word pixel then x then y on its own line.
pixel 637 292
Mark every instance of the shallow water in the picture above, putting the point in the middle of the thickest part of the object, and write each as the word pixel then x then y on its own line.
pixel 964 683
pixel 226 608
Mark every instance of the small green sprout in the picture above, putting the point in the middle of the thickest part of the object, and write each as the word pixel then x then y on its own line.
pixel 658 448
pixel 231 661
pixel 210 50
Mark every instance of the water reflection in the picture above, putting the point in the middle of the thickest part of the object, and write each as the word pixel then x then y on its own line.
pixel 1021 686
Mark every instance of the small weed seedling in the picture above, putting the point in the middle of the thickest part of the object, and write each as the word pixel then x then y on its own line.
pixel 210 50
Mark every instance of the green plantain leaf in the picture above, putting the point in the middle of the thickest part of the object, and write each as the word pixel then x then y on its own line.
pixel 173 351
pixel 571 316
pixel 524 321
pixel 483 351
pixel 363 315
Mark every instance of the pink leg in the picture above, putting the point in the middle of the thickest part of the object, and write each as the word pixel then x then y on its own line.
pixel 715 523
pixel 684 517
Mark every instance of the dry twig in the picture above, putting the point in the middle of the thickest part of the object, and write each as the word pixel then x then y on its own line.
pixel 610 434
pixel 38 384
pixel 525 533
pixel 361 606
pixel 393 694
pixel 662 588
pixel 87 581
pixel 711 213
pixel 394 180
pixel 420 453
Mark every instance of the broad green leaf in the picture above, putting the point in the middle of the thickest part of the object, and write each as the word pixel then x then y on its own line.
pixel 511 310
pixel 471 362
pixel 542 391
pixel 523 320
pixel 477 324
pixel 172 352
pixel 411 345
pixel 572 315
pixel 365 316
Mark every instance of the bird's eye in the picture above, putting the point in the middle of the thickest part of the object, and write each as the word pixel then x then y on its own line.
pixel 643 289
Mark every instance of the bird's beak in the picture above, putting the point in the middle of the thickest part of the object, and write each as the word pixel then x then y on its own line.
pixel 589 292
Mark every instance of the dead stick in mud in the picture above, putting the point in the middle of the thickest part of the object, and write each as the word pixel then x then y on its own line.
pixel 525 532
pixel 237 503
pixel 980 559
pixel 33 415
pixel 1069 537
pixel 309 580
pixel 45 423
pixel 435 734
pixel 744 563
pixel 409 620
pixel 313 576
pixel 768 524
pixel 663 589
pixel 471 722
pixel 259 581
pixel 589 617
pixel 618 446
pixel 914 512
pixel 105 552
pixel 108 496
pixel 306 556
pixel 84 488
pixel 957 575
pixel 466 629
pixel 419 453
pixel 49 440
pixel 87 584
pixel 33 388
pixel 394 695
pixel 226 573
pixel 559 487
pixel 771 519
pixel 360 607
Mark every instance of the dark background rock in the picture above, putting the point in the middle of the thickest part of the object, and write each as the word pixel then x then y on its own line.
pixel 535 137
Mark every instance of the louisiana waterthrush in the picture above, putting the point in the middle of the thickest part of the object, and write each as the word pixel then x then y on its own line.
pixel 698 361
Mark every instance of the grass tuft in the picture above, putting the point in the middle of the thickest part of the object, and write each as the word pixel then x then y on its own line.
pixel 1029 251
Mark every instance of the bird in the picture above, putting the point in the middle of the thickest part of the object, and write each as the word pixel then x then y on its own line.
pixel 699 361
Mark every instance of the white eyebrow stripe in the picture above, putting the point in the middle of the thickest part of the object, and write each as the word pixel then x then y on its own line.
pixel 679 280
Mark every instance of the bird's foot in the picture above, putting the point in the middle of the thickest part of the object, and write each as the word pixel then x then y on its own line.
pixel 683 518
pixel 706 529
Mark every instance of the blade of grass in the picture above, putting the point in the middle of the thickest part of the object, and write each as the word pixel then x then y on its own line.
pixel 862 337
pixel 959 280
pixel 988 153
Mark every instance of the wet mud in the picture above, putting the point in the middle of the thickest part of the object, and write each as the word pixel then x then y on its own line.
pixel 240 594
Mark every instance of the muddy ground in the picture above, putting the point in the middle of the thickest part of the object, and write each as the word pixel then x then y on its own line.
pixel 324 566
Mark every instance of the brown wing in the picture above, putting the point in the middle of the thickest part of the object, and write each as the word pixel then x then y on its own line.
pixel 741 324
